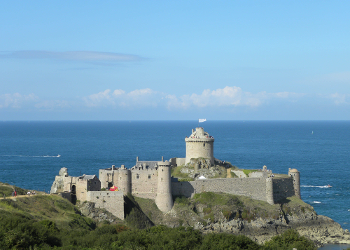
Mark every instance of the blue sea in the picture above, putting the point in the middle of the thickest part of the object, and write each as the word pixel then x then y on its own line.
pixel 318 149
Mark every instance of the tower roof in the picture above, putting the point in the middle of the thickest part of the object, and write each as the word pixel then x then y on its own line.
pixel 293 170
pixel 199 133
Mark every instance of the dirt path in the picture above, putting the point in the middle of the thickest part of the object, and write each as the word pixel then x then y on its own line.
pixel 21 196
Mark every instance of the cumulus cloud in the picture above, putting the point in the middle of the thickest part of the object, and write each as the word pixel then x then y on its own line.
pixel 84 56
pixel 228 96
pixel 138 97
pixel 225 97
pixel 16 100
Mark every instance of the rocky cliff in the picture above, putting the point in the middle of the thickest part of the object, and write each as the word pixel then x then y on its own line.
pixel 209 212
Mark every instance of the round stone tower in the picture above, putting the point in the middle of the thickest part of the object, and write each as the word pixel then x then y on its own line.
pixel 164 199
pixel 124 180
pixel 269 191
pixel 199 145
pixel 295 174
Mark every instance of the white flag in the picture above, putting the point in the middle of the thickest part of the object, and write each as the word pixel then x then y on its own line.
pixel 202 120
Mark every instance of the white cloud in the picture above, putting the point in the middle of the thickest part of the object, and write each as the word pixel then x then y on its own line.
pixel 16 100
pixel 118 92
pixel 141 92
pixel 135 98
pixel 100 99
pixel 339 98
pixel 229 97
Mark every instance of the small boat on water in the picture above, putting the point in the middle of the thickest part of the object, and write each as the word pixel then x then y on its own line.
pixel 58 156
pixel 329 186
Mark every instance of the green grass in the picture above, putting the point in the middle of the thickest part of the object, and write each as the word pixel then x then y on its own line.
pixel 7 190
pixel 176 172
pixel 186 179
pixel 211 199
pixel 248 171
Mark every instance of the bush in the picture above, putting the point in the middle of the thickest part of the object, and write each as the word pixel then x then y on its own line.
pixel 182 200
pixel 288 240
pixel 228 241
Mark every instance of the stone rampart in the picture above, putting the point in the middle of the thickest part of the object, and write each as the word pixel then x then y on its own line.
pixel 254 188
pixel 282 188
pixel 112 201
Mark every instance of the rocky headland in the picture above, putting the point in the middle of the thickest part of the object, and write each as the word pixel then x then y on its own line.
pixel 214 213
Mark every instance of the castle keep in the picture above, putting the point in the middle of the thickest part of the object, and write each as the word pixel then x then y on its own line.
pixel 199 145
pixel 152 180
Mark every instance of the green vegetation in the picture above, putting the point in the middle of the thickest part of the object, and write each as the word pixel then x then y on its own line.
pixel 176 172
pixel 248 171
pixel 51 222
pixel 289 240
pixel 186 179
pixel 135 217
pixel 7 190
pixel 214 206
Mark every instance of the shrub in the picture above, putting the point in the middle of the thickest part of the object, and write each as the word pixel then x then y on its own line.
pixel 288 240
pixel 182 200
pixel 228 241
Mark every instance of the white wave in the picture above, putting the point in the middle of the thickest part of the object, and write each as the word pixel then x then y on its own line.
pixel 47 156
pixel 316 202
pixel 325 186
pixel 36 156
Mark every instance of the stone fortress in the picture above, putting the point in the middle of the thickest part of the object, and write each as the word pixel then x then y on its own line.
pixel 152 180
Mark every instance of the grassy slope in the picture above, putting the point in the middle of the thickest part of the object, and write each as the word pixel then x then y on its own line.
pixel 214 207
pixel 22 216
pixel 42 207
pixel 7 190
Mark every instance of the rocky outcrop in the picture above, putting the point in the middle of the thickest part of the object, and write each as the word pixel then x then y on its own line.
pixel 318 228
pixel 58 184
pixel 89 210
pixel 202 167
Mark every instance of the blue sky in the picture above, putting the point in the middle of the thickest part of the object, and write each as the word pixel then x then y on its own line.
pixel 174 60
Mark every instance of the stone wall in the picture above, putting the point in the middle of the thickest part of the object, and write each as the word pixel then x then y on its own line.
pixel 144 183
pixel 259 174
pixel 254 188
pixel 180 161
pixel 282 188
pixel 112 201
pixel 199 148
pixel 108 176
